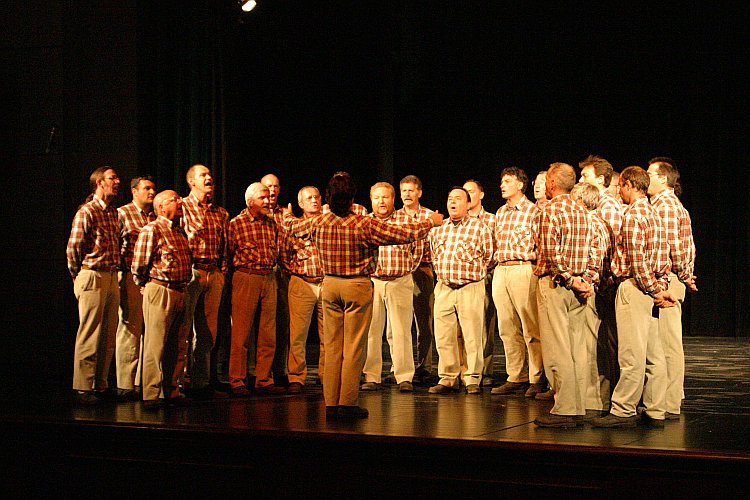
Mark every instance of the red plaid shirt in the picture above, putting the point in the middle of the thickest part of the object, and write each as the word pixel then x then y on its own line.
pixel 162 252
pixel 348 245
pixel 131 219
pixel 610 210
pixel 568 244
pixel 94 238
pixel 462 252
pixel 299 255
pixel 515 231
pixel 206 228
pixel 253 242
pixel 642 251
pixel 676 221
pixel 607 245
pixel 395 261
pixel 422 213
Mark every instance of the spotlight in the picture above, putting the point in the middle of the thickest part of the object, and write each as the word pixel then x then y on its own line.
pixel 248 5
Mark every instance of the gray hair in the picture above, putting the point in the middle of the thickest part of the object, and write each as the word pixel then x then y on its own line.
pixel 254 190
pixel 587 194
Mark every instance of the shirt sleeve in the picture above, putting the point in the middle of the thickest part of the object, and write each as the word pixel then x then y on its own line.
pixel 143 255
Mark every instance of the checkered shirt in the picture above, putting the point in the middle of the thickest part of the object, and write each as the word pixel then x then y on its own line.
pixel 462 252
pixel 422 213
pixel 162 252
pixel 606 244
pixel 299 255
pixel 610 210
pixel 395 261
pixel 348 245
pixel 642 250
pixel 131 219
pixel 94 238
pixel 677 224
pixel 206 228
pixel 516 231
pixel 568 244
pixel 253 242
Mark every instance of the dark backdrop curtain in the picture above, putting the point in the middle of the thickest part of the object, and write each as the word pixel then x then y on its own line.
pixel 180 79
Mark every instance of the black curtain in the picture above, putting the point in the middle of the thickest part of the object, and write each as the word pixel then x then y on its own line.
pixel 180 79
pixel 449 91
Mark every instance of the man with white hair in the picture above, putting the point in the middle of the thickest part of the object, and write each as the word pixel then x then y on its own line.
pixel 253 249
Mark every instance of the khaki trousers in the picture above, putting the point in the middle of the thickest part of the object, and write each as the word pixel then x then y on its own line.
pixel 453 306
pixel 563 336
pixel 250 291
pixel 670 331
pixel 129 333
pixel 424 302
pixel 347 311
pixel 202 302
pixel 597 384
pixel 514 294
pixel 98 295
pixel 306 299
pixel 165 346
pixel 640 353
pixel 488 332
pixel 391 304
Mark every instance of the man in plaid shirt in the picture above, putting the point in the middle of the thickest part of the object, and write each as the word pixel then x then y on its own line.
pixel 281 273
pixel 641 266
pixel 664 178
pixel 93 255
pixel 132 218
pixel 599 380
pixel 567 260
pixel 253 250
pixel 161 267
pixel 424 281
pixel 514 287
pixel 348 246
pixel 392 298
pixel 302 264
pixel 476 192
pixel 462 249
pixel 206 226
pixel 598 172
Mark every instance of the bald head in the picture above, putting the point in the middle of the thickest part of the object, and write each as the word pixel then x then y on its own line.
pixel 274 188
pixel 168 204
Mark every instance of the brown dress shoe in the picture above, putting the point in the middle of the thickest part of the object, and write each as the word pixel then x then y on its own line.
pixel 240 391
pixel 473 389
pixel 557 421
pixel 369 386
pixel 294 388
pixel 406 386
pixel 440 389
pixel 509 388
pixel 270 390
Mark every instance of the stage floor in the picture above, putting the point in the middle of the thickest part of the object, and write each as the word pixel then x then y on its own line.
pixel 716 412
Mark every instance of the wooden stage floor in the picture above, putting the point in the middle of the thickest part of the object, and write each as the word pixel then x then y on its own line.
pixel 417 443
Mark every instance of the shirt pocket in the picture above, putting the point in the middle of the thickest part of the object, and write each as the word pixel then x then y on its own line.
pixel 520 236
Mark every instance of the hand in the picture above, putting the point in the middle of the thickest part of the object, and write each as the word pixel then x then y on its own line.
pixel 690 285
pixel 141 288
pixel 436 218
pixel 665 299
pixel 582 288
pixel 286 210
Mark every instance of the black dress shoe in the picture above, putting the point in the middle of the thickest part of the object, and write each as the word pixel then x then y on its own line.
pixel 651 423
pixel 331 412
pixel 206 393
pixel 352 412
pixel 294 388
pixel 86 398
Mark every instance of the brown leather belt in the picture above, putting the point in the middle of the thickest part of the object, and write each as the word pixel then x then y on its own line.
pixel 516 262
pixel 454 286
pixel 179 287
pixel 425 264
pixel 309 279
pixel 112 269
pixel 247 270
pixel 205 267
pixel 387 278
